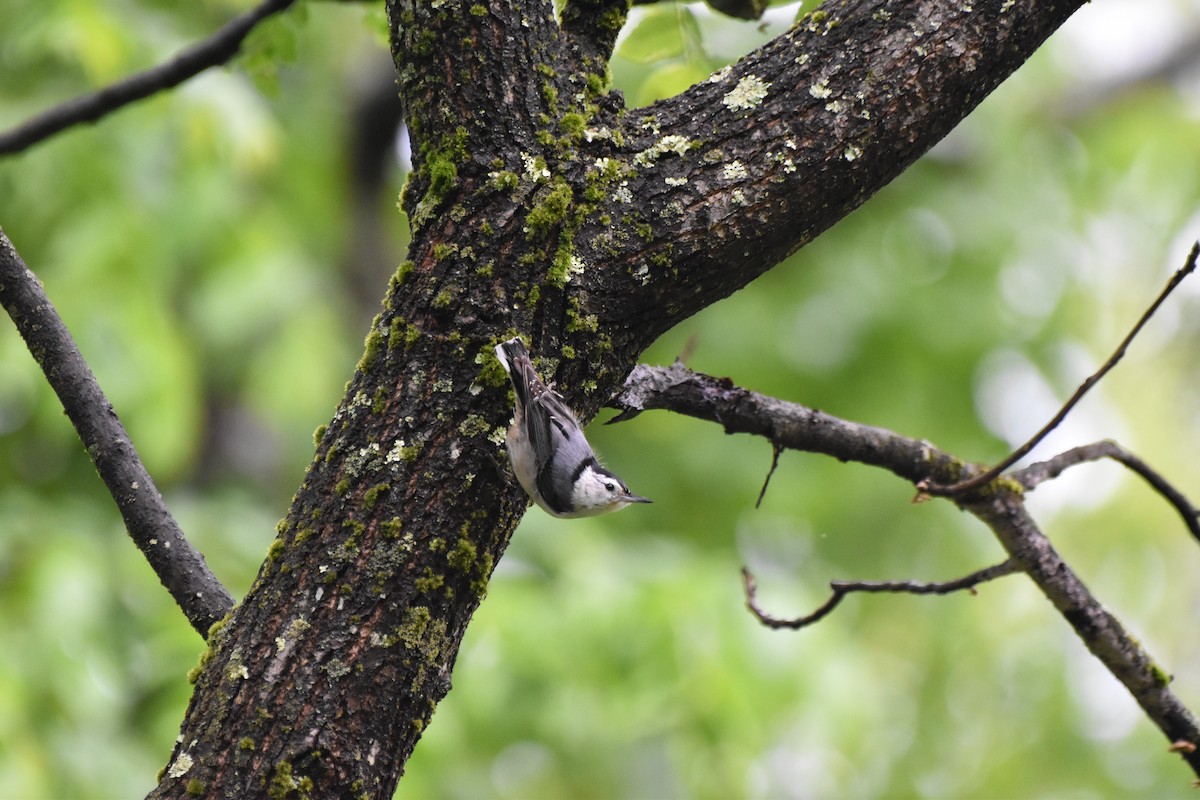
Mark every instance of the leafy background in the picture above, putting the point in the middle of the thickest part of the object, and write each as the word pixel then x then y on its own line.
pixel 207 249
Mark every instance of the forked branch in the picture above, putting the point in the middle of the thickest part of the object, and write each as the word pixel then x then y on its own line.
pixel 1001 508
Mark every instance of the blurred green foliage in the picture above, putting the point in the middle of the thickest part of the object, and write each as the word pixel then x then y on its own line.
pixel 199 246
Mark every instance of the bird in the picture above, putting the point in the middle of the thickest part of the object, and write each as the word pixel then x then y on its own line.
pixel 551 457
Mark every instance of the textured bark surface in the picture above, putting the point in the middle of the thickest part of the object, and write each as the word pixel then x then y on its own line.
pixel 540 206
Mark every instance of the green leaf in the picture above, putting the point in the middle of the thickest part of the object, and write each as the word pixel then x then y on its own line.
pixel 273 42
pixel 663 32
pixel 670 79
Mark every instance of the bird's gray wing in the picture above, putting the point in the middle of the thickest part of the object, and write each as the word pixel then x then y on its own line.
pixel 549 426
pixel 547 419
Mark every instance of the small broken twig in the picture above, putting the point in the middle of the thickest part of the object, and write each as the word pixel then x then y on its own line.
pixel 1016 455
pixel 843 588
pixel 776 449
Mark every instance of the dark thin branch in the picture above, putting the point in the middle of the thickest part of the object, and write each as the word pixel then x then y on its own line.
pixel 843 588
pixel 741 9
pixel 775 451
pixel 1034 474
pixel 213 51
pixel 179 566
pixel 986 477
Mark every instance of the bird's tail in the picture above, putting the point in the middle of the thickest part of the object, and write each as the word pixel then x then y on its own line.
pixel 516 362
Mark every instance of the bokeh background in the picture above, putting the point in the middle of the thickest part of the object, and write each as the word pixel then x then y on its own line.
pixel 219 250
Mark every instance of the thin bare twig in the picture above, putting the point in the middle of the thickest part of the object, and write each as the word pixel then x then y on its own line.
pixel 216 49
pixel 776 449
pixel 1034 474
pixel 843 588
pixel 179 566
pixel 1016 455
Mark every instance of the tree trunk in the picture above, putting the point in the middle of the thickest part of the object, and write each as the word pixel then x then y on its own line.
pixel 540 206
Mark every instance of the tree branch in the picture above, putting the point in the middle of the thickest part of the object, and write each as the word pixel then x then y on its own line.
pixel 592 27
pixel 1034 474
pixel 1016 455
pixel 215 50
pixel 178 565
pixel 1000 507
pixel 724 180
pixel 788 425
pixel 843 588
pixel 537 207
pixel 1102 633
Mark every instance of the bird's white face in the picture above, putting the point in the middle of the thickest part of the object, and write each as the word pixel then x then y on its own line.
pixel 599 492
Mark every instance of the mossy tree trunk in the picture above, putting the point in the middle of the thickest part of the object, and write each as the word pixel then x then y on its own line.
pixel 540 206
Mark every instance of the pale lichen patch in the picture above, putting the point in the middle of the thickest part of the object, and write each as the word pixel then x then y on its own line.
pixel 749 93
pixel 180 766
pixel 720 74
pixel 396 453
pixel 820 90
pixel 671 143
pixel 575 266
pixel 535 167
pixel 734 171
pixel 592 134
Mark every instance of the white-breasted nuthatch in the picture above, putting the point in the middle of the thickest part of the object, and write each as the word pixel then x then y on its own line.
pixel 552 459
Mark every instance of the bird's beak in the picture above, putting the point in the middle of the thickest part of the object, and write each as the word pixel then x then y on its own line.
pixel 633 498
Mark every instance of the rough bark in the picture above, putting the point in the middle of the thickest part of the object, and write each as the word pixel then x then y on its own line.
pixel 540 206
